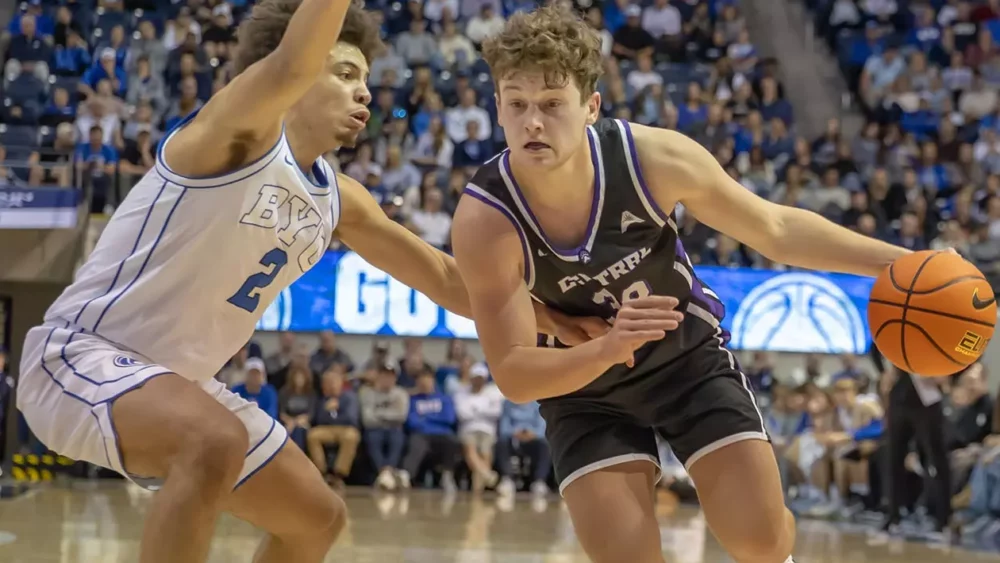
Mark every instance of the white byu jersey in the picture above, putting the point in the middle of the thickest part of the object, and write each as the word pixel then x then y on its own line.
pixel 186 267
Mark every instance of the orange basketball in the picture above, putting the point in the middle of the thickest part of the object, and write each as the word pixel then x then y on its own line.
pixel 932 313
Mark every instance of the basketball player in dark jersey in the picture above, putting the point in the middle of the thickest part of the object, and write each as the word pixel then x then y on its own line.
pixel 578 214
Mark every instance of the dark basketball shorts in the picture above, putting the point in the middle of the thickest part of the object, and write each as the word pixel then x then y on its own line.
pixel 699 404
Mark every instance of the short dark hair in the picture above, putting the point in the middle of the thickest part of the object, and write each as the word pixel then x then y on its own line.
pixel 261 32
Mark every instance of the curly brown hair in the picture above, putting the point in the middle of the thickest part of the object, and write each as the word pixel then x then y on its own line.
pixel 552 40
pixel 261 32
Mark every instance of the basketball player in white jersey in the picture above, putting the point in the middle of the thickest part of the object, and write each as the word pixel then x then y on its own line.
pixel 239 205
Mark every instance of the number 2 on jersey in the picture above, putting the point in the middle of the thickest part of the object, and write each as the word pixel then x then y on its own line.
pixel 247 297
pixel 637 290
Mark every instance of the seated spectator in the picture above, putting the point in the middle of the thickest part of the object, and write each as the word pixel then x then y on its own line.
pixel 457 118
pixel 73 59
pixel 522 434
pixel 456 353
pixel 96 163
pixel 329 354
pixel 148 46
pixel 282 357
pixel 55 159
pixel 297 405
pixel 431 426
pixel 106 69
pixel 335 422
pixel 434 148
pixel 479 408
pixel 431 222
pixel 59 110
pixel 474 150
pixel 456 49
pixel 398 175
pixel 643 75
pixel 256 389
pixel 416 45
pixel 118 44
pixel 183 106
pixel 138 157
pixel 29 47
pixel 146 85
pixel 413 363
pixel 631 39
pixel 384 408
pixel 484 25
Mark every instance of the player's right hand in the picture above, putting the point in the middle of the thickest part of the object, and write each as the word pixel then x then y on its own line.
pixel 640 321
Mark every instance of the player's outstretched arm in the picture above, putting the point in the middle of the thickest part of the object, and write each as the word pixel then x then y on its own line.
pixel 392 248
pixel 679 170
pixel 489 257
pixel 250 109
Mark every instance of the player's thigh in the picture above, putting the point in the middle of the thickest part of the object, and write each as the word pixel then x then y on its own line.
pixel 613 513
pixel 172 421
pixel 739 487
pixel 716 430
pixel 288 498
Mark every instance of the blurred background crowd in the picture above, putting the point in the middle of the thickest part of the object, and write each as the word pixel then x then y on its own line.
pixel 90 87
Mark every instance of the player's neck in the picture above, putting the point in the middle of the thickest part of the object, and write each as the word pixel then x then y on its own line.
pixel 554 186
pixel 305 149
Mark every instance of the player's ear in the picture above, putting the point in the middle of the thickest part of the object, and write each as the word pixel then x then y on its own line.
pixel 496 100
pixel 593 108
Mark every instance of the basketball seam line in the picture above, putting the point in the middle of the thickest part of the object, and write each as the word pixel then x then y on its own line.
pixel 925 333
pixel 933 312
pixel 947 284
pixel 906 307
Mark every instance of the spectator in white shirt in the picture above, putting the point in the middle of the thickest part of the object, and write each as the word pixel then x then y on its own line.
pixel 454 46
pixel 431 222
pixel 662 20
pixel 479 407
pixel 485 25
pixel 398 174
pixel 434 148
pixel 643 76
pixel 456 118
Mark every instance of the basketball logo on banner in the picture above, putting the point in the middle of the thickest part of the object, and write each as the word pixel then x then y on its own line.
pixel 804 313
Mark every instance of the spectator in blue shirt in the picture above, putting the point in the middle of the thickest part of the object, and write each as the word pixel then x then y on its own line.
pixel 106 68
pixel 522 433
pixel 72 59
pixel 43 23
pixel 431 425
pixel 97 162
pixel 256 389
pixel 336 422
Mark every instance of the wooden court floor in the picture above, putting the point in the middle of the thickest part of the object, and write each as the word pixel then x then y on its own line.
pixel 101 523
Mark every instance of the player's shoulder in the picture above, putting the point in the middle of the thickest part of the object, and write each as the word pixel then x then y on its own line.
pixel 489 177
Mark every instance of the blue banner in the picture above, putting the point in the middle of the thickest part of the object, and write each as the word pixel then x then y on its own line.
pixel 792 311
pixel 38 207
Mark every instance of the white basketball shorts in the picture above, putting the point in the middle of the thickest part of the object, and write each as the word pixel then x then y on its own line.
pixel 69 381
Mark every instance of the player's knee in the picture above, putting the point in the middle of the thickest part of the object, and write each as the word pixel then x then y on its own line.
pixel 767 540
pixel 321 517
pixel 217 452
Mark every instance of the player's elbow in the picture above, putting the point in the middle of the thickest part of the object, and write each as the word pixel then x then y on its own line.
pixel 512 389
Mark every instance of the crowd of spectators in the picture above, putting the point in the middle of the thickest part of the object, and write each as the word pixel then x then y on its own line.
pixel 90 87
pixel 447 425
pixel 926 165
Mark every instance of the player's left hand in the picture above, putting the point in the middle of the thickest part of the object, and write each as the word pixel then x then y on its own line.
pixel 573 331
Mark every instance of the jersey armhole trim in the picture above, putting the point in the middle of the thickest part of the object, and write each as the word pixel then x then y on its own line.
pixel 638 181
pixel 219 180
pixel 482 195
